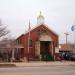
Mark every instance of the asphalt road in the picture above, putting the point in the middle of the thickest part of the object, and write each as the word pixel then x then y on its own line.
pixel 49 70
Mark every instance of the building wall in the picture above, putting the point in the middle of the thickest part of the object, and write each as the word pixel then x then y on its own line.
pixel 34 35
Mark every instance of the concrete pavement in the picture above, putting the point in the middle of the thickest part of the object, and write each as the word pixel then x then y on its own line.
pixel 39 63
pixel 36 64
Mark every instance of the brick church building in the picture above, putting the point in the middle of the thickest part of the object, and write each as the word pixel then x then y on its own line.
pixel 38 43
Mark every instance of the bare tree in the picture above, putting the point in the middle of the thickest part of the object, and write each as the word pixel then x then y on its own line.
pixel 6 41
pixel 3 30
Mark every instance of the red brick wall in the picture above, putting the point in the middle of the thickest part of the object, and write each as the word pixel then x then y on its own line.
pixel 34 36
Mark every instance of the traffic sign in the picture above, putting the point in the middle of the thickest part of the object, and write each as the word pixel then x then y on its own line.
pixel 73 28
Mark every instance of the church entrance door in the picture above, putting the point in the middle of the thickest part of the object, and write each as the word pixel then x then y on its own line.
pixel 45 50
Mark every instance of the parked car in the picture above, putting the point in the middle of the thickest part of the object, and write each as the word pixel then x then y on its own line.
pixel 70 56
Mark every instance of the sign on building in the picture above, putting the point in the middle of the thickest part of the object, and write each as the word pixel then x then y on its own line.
pixel 56 50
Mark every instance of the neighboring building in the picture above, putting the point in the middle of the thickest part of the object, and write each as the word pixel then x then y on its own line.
pixel 67 48
pixel 67 51
pixel 38 44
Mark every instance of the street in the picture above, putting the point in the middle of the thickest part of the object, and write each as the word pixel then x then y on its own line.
pixel 49 70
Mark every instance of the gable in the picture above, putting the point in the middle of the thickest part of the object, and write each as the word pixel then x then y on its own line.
pixel 43 28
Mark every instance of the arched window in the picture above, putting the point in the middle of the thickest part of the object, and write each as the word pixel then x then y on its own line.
pixel 30 43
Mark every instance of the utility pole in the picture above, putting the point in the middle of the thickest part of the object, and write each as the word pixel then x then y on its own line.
pixel 29 41
pixel 66 36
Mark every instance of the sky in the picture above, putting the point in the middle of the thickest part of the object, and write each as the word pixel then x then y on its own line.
pixel 59 16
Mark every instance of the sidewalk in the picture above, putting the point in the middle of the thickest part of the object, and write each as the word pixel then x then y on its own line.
pixel 39 63
pixel 42 64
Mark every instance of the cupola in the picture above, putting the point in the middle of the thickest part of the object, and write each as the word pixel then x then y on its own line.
pixel 40 19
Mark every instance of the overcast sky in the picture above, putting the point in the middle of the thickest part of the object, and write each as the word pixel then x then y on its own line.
pixel 59 15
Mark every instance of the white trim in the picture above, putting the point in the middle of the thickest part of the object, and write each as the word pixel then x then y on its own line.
pixel 45 37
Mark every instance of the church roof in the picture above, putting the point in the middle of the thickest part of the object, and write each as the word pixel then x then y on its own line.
pixel 44 26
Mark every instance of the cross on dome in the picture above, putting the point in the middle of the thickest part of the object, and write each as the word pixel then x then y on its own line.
pixel 40 19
